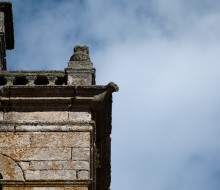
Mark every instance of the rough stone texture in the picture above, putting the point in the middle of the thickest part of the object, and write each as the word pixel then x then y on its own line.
pixel 53 188
pixel 44 188
pixel 36 116
pixel 13 188
pixel 83 174
pixel 50 175
pixel 1 115
pixel 2 24
pixel 80 78
pixel 24 165
pixel 51 128
pixel 64 139
pixel 47 116
pixel 81 116
pixel 80 69
pixel 80 154
pixel 48 155
pixel 10 169
pixel 76 188
pixel 26 154
pixel 6 128
pixel 59 165
pixel 11 140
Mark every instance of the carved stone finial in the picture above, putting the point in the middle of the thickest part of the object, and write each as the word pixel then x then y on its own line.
pixel 80 53
pixel 80 69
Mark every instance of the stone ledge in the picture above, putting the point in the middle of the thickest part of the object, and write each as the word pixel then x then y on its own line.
pixel 33 126
pixel 47 183
pixel 41 123
pixel 59 116
pixel 50 128
pixel 36 116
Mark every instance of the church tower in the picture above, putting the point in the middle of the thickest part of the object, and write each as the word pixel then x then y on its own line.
pixel 55 126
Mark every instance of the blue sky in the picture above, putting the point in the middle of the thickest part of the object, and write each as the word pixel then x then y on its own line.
pixel 164 55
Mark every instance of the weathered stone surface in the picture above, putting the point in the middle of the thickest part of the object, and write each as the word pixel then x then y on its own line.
pixel 2 22
pixel 80 116
pixel 64 139
pixel 80 154
pixel 12 140
pixel 24 165
pixel 45 111
pixel 43 188
pixel 59 165
pixel 52 188
pixel 76 188
pixel 10 169
pixel 1 115
pixel 13 188
pixel 83 174
pixel 80 78
pixel 50 175
pixel 25 154
pixel 36 116
pixel 45 128
pixel 6 128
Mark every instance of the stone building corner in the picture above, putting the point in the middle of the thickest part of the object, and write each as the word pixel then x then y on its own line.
pixel 55 126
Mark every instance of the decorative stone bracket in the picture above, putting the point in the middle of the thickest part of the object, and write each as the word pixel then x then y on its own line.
pixel 97 101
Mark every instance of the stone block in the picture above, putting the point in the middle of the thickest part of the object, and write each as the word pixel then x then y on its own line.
pixel 81 154
pixel 44 188
pixel 64 139
pixel 83 174
pixel 14 140
pixel 59 165
pixel 51 188
pixel 26 154
pixel 50 175
pixel 76 188
pixel 24 165
pixel 80 79
pixel 6 128
pixel 50 128
pixel 13 188
pixel 9 169
pixel 36 116
pixel 1 116
pixel 80 116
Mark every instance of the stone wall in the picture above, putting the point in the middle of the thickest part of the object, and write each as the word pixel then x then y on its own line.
pixel 45 188
pixel 47 146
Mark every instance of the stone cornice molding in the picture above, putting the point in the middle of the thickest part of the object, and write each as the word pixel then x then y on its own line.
pixel 97 101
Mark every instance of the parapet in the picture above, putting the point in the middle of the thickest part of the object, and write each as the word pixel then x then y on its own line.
pixel 80 72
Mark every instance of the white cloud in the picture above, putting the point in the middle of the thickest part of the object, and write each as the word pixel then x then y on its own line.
pixel 164 55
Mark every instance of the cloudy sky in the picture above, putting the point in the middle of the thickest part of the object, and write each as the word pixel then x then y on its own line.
pixel 165 57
